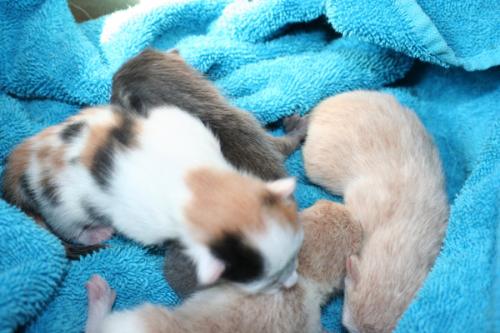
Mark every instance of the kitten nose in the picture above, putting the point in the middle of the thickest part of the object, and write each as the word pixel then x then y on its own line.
pixel 291 280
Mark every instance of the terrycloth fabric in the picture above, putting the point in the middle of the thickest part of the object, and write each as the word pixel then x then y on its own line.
pixel 273 58
pixel 459 33
pixel 461 110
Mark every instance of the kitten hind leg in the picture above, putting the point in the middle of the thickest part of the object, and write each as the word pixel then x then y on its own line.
pixel 100 300
pixel 296 131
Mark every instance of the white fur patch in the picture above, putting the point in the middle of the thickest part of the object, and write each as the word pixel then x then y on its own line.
pixel 124 322
pixel 148 189
pixel 279 245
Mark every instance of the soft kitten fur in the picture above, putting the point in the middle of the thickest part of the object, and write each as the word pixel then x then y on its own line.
pixel 330 236
pixel 153 79
pixel 153 179
pixel 370 149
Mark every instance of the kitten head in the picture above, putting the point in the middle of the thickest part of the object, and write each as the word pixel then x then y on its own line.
pixel 243 230
pixel 374 284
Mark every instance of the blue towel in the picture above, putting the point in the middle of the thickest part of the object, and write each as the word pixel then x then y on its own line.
pixel 458 33
pixel 271 58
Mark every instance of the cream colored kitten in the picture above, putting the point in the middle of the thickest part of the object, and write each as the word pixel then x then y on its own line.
pixel 330 236
pixel 370 149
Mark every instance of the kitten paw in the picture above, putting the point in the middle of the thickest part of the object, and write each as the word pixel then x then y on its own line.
pixel 100 301
pixel 296 125
pixel 100 295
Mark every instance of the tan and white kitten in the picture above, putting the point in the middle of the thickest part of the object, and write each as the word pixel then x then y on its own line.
pixel 370 149
pixel 330 236
pixel 153 179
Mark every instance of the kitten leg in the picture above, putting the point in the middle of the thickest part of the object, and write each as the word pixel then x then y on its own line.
pixel 296 131
pixel 92 235
pixel 147 318
pixel 179 270
pixel 100 300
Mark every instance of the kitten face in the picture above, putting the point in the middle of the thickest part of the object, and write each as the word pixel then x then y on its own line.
pixel 251 231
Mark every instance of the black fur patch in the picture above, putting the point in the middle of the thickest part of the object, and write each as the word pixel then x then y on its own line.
pixel 95 216
pixel 179 269
pixel 123 133
pixel 103 163
pixel 119 137
pixel 243 263
pixel 30 194
pixel 71 131
pixel 49 191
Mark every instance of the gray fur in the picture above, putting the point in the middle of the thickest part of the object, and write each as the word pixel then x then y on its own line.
pixel 179 270
pixel 154 79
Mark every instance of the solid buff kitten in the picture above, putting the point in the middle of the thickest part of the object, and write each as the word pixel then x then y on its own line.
pixel 154 179
pixel 330 236
pixel 370 149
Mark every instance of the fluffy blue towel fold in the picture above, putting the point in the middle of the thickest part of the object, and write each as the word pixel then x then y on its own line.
pixel 272 58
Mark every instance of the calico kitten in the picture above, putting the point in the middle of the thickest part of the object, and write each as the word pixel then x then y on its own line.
pixel 154 79
pixel 370 149
pixel 330 236
pixel 153 179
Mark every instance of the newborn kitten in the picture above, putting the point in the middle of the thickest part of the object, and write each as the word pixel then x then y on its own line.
pixel 370 149
pixel 154 179
pixel 154 79
pixel 330 236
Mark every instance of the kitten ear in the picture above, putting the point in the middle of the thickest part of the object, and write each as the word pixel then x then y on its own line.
pixel 209 269
pixel 173 51
pixel 352 268
pixel 283 188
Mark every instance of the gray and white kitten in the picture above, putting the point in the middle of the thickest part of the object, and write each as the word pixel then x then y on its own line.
pixel 153 79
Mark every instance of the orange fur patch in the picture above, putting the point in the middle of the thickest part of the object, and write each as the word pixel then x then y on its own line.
pixel 58 159
pixel 96 139
pixel 43 153
pixel 225 201
pixel 99 134
pixel 47 133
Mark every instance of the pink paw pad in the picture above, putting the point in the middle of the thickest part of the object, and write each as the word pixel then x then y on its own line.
pixel 100 295
pixel 296 124
pixel 100 301
pixel 95 235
